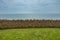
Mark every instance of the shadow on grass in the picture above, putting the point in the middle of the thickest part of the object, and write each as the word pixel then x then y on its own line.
pixel 31 27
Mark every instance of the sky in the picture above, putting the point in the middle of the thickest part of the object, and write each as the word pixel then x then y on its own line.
pixel 29 6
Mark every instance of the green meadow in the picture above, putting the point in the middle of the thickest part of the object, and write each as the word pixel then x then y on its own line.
pixel 30 34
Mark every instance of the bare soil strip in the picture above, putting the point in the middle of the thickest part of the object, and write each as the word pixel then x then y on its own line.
pixel 29 23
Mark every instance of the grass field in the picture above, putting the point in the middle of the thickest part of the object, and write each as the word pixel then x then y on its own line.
pixel 30 34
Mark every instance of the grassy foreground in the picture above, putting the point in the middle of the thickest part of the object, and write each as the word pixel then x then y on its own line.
pixel 30 34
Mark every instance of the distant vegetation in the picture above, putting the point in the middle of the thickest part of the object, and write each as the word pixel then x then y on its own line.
pixel 29 23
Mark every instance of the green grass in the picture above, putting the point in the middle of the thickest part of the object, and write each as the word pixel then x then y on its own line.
pixel 30 34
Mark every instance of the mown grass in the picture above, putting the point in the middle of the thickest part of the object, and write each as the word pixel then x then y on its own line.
pixel 30 34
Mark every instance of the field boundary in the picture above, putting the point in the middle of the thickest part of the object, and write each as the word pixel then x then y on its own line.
pixel 29 24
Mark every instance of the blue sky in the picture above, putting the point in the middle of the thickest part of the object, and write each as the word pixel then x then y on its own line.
pixel 29 6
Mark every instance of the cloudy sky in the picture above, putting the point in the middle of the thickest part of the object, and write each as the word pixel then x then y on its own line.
pixel 29 6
